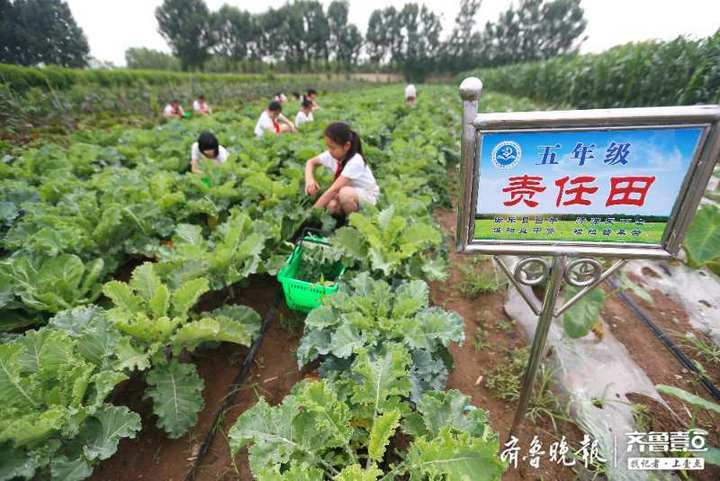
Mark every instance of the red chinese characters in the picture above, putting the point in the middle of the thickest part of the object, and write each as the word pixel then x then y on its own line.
pixel 627 190
pixel 523 188
pixel 577 191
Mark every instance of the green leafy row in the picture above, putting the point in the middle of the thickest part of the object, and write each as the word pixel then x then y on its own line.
pixel 380 410
pixel 54 382
pixel 343 429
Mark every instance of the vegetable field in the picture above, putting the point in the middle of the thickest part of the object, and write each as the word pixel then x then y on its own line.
pixel 144 335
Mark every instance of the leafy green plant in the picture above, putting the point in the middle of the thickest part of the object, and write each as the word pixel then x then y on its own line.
pixel 627 284
pixel 49 284
pixel 642 416
pixel 231 253
pixel 681 71
pixel 391 245
pixel 480 341
pixel 505 325
pixel 319 264
pixel 505 383
pixel 55 423
pixel 369 313
pixel 702 241
pixel 543 402
pixel 344 430
pixel 116 192
pixel 689 398
pixel 580 318
pixel 157 321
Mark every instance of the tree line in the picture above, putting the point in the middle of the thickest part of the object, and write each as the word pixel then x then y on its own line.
pixel 302 35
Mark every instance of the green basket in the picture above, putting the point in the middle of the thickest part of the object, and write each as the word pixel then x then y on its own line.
pixel 301 295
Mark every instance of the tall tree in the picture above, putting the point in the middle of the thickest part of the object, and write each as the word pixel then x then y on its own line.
pixel 187 27
pixel 534 31
pixel 41 31
pixel 316 30
pixel 349 47
pixel 384 37
pixel 462 49
pixel 345 40
pixel 11 34
pixel 337 15
pixel 270 25
pixel 563 25
pixel 234 33
pixel 298 32
pixel 417 53
pixel 291 35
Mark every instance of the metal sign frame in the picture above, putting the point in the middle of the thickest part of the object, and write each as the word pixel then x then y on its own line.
pixel 475 125
pixel 582 272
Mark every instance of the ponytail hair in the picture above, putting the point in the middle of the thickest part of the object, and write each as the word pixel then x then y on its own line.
pixel 341 133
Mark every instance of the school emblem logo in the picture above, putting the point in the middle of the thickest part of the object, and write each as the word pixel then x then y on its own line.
pixel 506 155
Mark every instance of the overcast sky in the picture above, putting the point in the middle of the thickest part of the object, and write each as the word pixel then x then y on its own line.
pixel 112 26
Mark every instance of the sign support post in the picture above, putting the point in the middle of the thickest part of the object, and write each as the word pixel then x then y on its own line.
pixel 635 200
pixel 552 289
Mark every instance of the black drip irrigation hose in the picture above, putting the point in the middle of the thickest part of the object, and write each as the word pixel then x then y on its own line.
pixel 234 387
pixel 667 342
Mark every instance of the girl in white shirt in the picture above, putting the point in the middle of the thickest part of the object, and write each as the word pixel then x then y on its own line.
pixel 206 147
pixel 201 107
pixel 173 110
pixel 272 120
pixel 354 182
pixel 305 113
pixel 410 94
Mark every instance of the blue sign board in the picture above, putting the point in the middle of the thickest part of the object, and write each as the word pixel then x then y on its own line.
pixel 606 185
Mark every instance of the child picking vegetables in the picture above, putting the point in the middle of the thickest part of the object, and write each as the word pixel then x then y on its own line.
pixel 272 120
pixel 305 114
pixel 173 110
pixel 354 182
pixel 206 147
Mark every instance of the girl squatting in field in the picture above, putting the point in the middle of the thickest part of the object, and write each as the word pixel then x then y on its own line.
pixel 206 147
pixel 354 182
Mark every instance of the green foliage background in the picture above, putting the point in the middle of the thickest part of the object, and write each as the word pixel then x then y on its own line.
pixel 679 72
